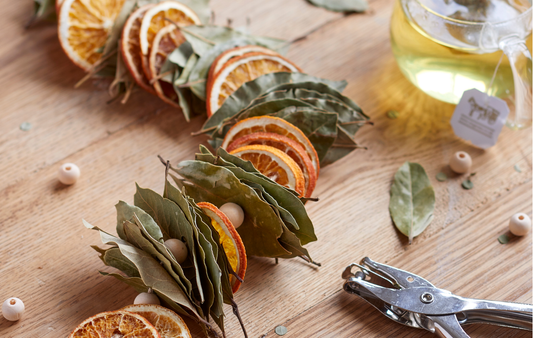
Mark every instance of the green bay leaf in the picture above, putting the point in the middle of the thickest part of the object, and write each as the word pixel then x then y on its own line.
pixel 412 200
pixel 346 6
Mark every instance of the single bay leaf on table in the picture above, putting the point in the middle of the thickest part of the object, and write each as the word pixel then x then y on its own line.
pixel 250 90
pixel 412 200
pixel 217 185
pixel 346 6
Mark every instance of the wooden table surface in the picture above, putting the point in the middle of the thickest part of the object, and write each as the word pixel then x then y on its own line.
pixel 45 258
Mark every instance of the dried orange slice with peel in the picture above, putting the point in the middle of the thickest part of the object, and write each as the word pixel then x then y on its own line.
pixel 83 28
pixel 159 16
pixel 274 164
pixel 167 323
pixel 230 240
pixel 276 125
pixel 239 70
pixel 289 147
pixel 131 50
pixel 115 324
pixel 165 41
pixel 224 57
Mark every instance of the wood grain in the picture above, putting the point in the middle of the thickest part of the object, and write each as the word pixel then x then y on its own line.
pixel 45 258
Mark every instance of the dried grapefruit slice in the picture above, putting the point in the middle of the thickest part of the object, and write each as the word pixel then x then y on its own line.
pixel 167 323
pixel 274 164
pixel 83 28
pixel 165 41
pixel 115 324
pixel 242 69
pixel 269 124
pixel 289 147
pixel 224 57
pixel 158 17
pixel 131 50
pixel 230 240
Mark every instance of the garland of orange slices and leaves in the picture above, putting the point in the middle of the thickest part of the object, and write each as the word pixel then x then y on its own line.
pixel 273 126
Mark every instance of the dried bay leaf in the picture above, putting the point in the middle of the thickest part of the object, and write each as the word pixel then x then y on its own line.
pixel 135 282
pixel 126 212
pixel 245 94
pixel 151 272
pixel 260 229
pixel 342 146
pixel 181 54
pixel 412 200
pixel 346 6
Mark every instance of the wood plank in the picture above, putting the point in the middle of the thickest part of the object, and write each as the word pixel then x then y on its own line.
pixel 45 258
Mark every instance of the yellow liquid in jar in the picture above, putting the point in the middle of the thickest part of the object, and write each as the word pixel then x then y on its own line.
pixel 444 72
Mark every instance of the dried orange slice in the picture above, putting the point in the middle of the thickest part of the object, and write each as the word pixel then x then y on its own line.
pixel 289 147
pixel 158 17
pixel 165 41
pixel 83 28
pixel 167 323
pixel 231 53
pixel 115 324
pixel 269 124
pixel 274 164
pixel 230 240
pixel 242 69
pixel 130 49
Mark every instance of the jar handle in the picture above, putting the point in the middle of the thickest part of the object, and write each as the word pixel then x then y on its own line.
pixel 520 60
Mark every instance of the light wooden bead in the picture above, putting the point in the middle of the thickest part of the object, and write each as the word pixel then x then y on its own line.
pixel 146 298
pixel 12 309
pixel 68 173
pixel 461 162
pixel 234 212
pixel 519 224
pixel 178 249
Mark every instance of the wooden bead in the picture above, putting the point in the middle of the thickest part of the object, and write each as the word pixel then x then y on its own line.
pixel 146 298
pixel 461 162
pixel 178 249
pixel 68 173
pixel 12 309
pixel 234 213
pixel 519 224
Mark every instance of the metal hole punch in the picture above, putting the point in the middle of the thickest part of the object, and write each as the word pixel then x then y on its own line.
pixel 411 300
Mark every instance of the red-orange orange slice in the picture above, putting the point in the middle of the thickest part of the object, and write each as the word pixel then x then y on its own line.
pixel 289 147
pixel 239 70
pixel 230 240
pixel 274 164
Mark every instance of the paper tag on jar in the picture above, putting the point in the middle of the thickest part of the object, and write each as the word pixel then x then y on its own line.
pixel 479 118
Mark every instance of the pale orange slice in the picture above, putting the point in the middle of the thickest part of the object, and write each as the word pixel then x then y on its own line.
pixel 167 323
pixel 289 147
pixel 166 40
pixel 115 324
pixel 84 26
pixel 131 50
pixel 274 164
pixel 269 124
pixel 239 70
pixel 224 57
pixel 161 15
pixel 230 240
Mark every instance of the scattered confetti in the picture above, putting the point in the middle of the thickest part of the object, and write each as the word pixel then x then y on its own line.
pixel 441 177
pixel 25 126
pixel 517 168
pixel 467 184
pixel 280 330
pixel 503 239
pixel 392 114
